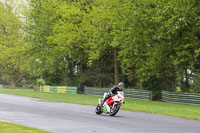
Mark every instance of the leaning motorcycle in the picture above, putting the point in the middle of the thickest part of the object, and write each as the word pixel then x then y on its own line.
pixel 112 104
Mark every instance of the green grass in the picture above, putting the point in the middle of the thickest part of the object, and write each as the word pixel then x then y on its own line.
pixel 14 128
pixel 171 109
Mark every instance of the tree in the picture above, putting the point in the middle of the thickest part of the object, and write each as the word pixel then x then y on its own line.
pixel 86 41
pixel 12 46
pixel 161 41
pixel 104 24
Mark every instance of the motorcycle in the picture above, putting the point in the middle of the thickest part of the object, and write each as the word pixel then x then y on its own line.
pixel 112 104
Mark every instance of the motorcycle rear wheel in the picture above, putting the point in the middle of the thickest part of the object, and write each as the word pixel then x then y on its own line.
pixel 114 111
pixel 98 110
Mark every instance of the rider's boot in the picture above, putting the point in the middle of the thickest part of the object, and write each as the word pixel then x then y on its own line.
pixel 102 104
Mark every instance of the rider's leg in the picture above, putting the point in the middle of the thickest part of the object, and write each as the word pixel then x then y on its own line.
pixel 108 95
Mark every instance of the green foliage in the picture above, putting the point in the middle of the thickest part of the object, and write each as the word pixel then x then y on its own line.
pixel 13 63
pixel 76 42
pixel 155 85
pixel 40 82
pixel 162 42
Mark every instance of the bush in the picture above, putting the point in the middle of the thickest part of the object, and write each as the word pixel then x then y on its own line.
pixel 39 82
pixel 195 88
pixel 153 84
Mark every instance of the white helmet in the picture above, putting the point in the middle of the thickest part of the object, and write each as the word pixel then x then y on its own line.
pixel 121 86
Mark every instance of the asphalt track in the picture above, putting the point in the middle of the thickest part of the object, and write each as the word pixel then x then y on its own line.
pixel 72 118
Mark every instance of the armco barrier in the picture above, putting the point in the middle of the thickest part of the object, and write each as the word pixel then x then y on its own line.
pixel 95 91
pixel 72 89
pixel 59 89
pixel 138 94
pixel 130 93
pixel 182 98
pixel 53 89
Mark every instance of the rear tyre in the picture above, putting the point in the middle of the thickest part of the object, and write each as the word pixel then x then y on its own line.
pixel 98 110
pixel 114 110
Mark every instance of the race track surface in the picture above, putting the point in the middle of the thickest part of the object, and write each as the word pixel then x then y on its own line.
pixel 72 118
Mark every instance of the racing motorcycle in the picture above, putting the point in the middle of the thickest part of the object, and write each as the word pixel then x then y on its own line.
pixel 112 104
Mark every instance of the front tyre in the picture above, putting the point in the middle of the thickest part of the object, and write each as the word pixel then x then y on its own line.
pixel 114 110
pixel 98 110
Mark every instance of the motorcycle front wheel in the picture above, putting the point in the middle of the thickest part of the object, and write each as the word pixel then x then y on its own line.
pixel 98 110
pixel 114 110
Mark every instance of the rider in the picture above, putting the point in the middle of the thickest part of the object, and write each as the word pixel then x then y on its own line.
pixel 113 91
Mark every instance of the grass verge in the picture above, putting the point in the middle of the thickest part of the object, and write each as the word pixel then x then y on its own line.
pixel 14 128
pixel 170 109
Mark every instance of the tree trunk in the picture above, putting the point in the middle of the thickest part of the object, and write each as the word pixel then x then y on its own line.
pixel 15 78
pixel 13 83
pixel 116 67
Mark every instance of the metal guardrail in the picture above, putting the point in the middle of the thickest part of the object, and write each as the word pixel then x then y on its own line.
pixel 182 98
pixel 138 94
pixel 95 91
pixel 130 93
